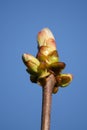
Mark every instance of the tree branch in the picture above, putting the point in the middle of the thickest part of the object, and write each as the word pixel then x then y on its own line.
pixel 46 102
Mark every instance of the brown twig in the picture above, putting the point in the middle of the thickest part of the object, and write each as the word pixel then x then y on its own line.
pixel 46 102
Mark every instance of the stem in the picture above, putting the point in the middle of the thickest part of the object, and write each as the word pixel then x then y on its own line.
pixel 46 102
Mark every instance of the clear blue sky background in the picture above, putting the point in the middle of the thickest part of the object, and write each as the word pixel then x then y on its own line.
pixel 20 100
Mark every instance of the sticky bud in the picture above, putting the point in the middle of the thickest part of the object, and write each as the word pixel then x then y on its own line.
pixel 64 80
pixel 44 35
pixel 31 62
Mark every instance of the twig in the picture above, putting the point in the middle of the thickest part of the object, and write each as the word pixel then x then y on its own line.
pixel 46 102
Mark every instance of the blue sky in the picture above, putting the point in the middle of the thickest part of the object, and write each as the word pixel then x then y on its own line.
pixel 20 100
